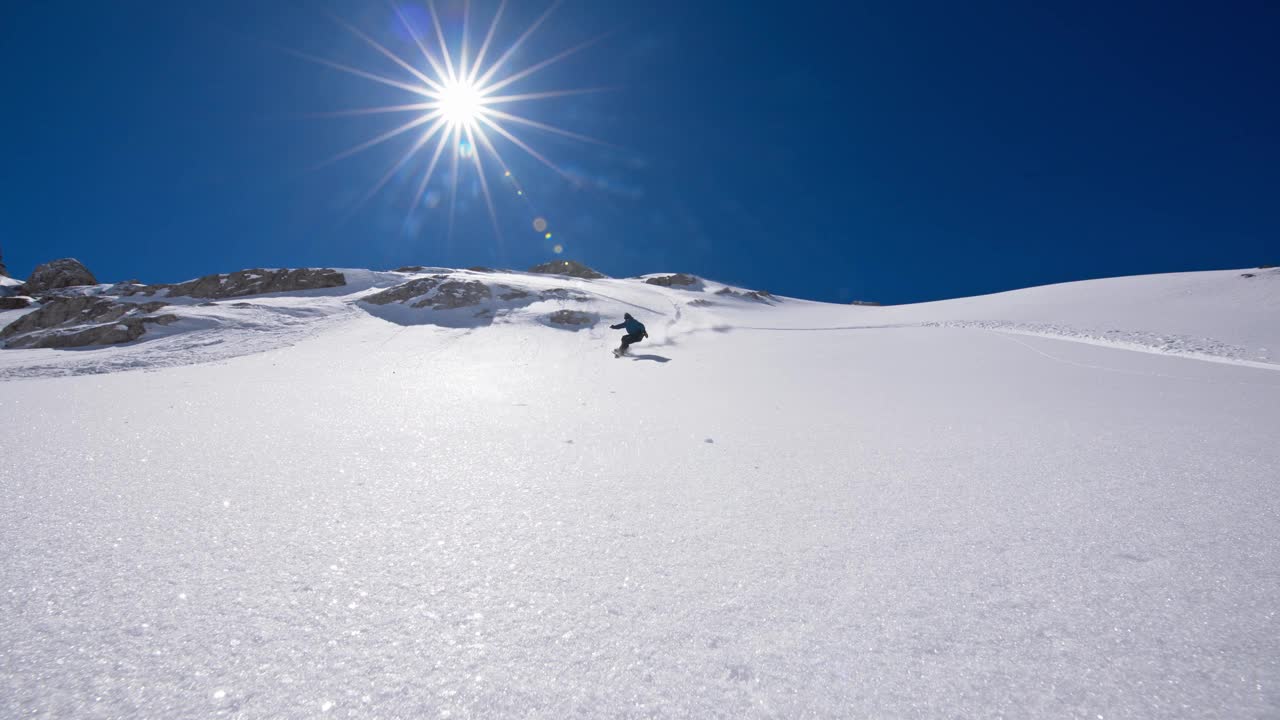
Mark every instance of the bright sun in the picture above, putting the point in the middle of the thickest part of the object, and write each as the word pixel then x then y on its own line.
pixel 457 103
pixel 461 104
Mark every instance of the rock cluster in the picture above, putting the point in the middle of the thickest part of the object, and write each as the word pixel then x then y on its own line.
pixel 445 292
pixel 63 273
pixel 246 282
pixel 757 295
pixel 677 280
pixel 567 267
pixel 438 292
pixel 572 319
pixel 82 320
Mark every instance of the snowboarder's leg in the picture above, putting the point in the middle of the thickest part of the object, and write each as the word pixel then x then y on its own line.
pixel 627 341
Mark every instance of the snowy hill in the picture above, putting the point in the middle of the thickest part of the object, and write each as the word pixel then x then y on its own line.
pixel 436 493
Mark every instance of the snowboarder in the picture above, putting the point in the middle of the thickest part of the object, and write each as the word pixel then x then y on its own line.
pixel 635 333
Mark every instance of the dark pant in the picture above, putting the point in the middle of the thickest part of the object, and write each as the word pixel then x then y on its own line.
pixel 628 340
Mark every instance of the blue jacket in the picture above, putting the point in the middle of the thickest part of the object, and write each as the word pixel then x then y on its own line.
pixel 632 325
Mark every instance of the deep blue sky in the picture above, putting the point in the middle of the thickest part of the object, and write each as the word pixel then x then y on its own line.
pixel 895 151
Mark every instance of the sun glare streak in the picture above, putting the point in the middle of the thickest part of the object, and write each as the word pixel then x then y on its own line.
pixel 466 33
pixel 501 99
pixel 377 110
pixel 488 38
pixel 459 90
pixel 404 158
pixel 444 45
pixel 523 146
pixel 417 39
pixel 535 68
pixel 359 73
pixel 516 45
pixel 426 177
pixel 384 51
pixel 543 126
pixel 484 184
pixel 381 138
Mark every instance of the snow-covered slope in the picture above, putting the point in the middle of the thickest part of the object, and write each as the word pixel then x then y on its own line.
pixel 774 508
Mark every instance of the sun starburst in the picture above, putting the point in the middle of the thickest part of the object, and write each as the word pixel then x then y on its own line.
pixel 457 103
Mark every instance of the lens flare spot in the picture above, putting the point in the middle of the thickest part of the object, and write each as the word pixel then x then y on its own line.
pixel 540 224
pixel 548 236
pixel 558 249
pixel 465 149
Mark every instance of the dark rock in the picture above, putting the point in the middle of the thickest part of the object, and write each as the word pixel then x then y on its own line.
pixel 67 272
pixel 410 269
pixel 757 295
pixel 481 269
pixel 1248 275
pixel 4 272
pixel 438 292
pixel 567 267
pixel 868 303
pixel 677 280
pixel 454 294
pixel 700 302
pixel 563 294
pixel 248 282
pixel 17 302
pixel 82 320
pixel 572 319
pixel 125 287
pixel 405 291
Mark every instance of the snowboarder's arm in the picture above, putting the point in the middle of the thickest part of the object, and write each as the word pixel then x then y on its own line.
pixel 619 326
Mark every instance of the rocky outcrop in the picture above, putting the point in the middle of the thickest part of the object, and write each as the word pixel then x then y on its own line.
pixel 567 267
pixel 867 303
pixel 4 272
pixel 246 282
pixel 79 321
pixel 572 319
pixel 563 294
pixel 679 280
pixel 438 292
pixel 446 292
pixel 762 296
pixel 67 272
pixel 17 302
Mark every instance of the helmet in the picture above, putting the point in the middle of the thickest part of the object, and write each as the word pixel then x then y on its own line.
pixel 627 315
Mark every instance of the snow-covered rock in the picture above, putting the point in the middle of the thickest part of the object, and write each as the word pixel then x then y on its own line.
pixel 438 292
pixel 80 321
pixel 761 296
pixel 572 319
pixel 62 273
pixel 678 280
pixel 242 283
pixel 460 299
pixel 571 268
